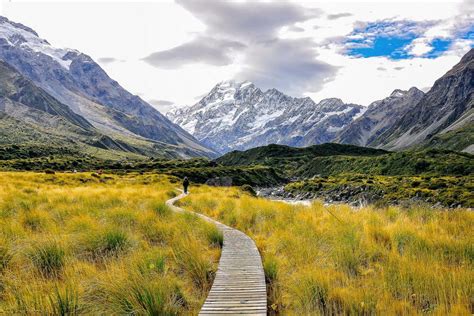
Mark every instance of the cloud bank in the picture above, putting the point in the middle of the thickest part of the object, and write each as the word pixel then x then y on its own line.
pixel 244 33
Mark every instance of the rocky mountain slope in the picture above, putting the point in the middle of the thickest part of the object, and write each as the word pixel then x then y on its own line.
pixel 447 107
pixel 32 118
pixel 238 115
pixel 76 81
pixel 380 116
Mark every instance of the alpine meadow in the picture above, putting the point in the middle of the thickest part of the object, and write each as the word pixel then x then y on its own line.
pixel 217 157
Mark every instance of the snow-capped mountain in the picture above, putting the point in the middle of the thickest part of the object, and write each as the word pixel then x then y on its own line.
pixel 380 116
pixel 76 80
pixel 239 115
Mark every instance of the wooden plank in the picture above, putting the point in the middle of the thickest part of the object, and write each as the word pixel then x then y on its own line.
pixel 239 286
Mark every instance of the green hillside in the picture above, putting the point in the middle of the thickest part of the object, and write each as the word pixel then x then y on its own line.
pixel 289 159
pixel 334 159
pixel 431 161
pixel 461 139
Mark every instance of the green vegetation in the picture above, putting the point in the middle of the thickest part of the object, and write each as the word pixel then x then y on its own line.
pixel 288 159
pixel 426 162
pixel 458 139
pixel 255 175
pixel 335 159
pixel 81 244
pixel 198 170
pixel 336 260
pixel 445 176
pixel 362 175
pixel 447 191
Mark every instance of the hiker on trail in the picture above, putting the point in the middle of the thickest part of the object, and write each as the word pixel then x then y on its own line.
pixel 185 185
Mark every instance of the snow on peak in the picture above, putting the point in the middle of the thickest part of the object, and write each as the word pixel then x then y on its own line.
pixel 233 84
pixel 238 115
pixel 397 93
pixel 18 35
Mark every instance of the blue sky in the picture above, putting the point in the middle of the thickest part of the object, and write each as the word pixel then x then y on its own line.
pixel 393 39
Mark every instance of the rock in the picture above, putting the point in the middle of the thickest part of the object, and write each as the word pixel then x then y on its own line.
pixel 220 182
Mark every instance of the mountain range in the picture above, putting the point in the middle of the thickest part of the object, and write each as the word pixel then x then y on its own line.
pixel 62 98
pixel 239 116
pixel 82 96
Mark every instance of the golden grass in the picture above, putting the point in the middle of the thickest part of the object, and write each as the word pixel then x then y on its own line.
pixel 73 243
pixel 338 260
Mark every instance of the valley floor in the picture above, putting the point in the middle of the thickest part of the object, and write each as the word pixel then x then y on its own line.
pixel 88 244
pixel 338 260
pixel 92 244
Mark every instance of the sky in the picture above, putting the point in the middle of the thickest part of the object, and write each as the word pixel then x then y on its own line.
pixel 171 53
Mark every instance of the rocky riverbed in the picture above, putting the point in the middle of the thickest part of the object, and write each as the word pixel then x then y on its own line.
pixel 341 195
pixel 354 196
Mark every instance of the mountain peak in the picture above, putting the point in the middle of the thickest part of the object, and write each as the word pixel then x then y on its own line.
pixel 238 115
pixel 4 20
pixel 78 82
pixel 23 37
pixel 398 93
pixel 329 101
pixel 234 84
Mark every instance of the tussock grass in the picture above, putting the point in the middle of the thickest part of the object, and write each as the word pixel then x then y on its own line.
pixel 73 244
pixel 5 256
pixel 64 302
pixel 161 209
pixel 103 244
pixel 339 260
pixel 195 264
pixel 49 258
pixel 214 236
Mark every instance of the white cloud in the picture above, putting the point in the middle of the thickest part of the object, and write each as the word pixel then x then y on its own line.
pixel 129 31
pixel 363 81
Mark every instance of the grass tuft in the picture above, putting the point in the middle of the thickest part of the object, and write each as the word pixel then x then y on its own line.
pixel 215 236
pixel 49 258
pixel 5 257
pixel 195 264
pixel 64 302
pixel 108 243
pixel 161 209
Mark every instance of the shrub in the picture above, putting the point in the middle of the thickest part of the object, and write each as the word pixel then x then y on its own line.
pixel 248 189
pixel 415 184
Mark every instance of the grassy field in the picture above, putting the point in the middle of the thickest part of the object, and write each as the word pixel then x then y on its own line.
pixel 77 243
pixel 339 260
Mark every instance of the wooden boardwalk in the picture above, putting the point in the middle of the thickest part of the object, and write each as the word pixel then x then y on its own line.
pixel 239 286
